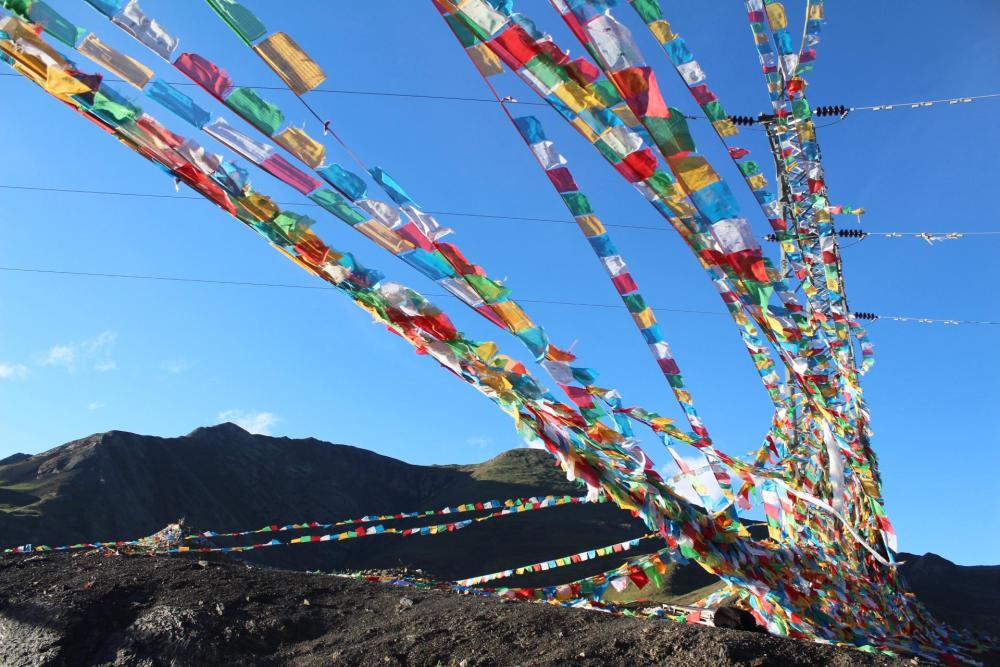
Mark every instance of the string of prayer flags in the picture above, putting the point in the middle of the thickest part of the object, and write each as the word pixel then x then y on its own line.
pixel 555 167
pixel 515 504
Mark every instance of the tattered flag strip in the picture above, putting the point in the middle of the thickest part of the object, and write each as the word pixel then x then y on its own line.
pixel 563 561
pixel 514 505
pixel 504 508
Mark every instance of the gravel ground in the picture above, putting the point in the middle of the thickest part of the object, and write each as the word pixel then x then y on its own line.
pixel 90 609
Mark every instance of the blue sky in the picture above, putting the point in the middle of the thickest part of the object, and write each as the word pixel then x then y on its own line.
pixel 80 355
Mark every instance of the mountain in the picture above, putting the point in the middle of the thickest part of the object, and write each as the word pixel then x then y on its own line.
pixel 120 485
pixel 962 595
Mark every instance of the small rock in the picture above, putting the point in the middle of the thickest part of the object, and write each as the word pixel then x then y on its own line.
pixel 464 663
pixel 203 563
pixel 305 603
pixel 405 602
pixel 220 608
pixel 583 654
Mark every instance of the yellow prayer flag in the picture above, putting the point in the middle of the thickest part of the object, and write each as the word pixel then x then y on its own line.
pixel 661 30
pixel 260 206
pixel 693 171
pixel 384 236
pixel 485 60
pixel 32 55
pixel 776 16
pixel 61 84
pixel 301 145
pixel 644 319
pixel 574 96
pixel 512 314
pixel 487 351
pixel 129 69
pixel 283 55
pixel 661 422
pixel 725 127
pixel 590 225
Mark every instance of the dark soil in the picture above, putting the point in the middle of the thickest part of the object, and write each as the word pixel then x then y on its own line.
pixel 92 609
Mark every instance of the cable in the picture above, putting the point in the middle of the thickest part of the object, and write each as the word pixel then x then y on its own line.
pixel 458 98
pixel 930 237
pixel 180 279
pixel 337 91
pixel 874 317
pixel 869 316
pixel 926 103
pixel 115 193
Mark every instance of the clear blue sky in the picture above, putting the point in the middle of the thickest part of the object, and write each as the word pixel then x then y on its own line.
pixel 81 355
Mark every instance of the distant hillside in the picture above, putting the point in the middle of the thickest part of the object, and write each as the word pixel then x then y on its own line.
pixel 962 595
pixel 122 485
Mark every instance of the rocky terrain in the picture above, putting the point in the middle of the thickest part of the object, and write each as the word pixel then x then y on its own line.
pixel 91 609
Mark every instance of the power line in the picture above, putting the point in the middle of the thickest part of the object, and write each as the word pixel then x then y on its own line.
pixel 339 91
pixel 465 214
pixel 510 100
pixel 930 237
pixel 181 279
pixel 244 283
pixel 921 104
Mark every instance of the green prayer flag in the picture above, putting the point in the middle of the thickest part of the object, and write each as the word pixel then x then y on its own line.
pixel 21 8
pixel 800 109
pixel 607 93
pixel 714 110
pixel 337 204
pixel 263 115
pixel 578 203
pixel 634 302
pixel 239 18
pixel 546 71
pixel 489 290
pixel 671 134
pixel 649 10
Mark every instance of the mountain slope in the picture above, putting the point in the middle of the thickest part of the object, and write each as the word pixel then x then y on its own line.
pixel 121 485
pixel 962 595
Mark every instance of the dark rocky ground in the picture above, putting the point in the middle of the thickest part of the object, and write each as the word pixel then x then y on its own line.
pixel 91 609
